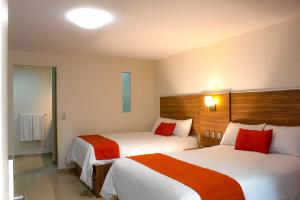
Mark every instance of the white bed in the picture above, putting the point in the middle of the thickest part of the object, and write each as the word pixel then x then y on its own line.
pixel 261 176
pixel 130 144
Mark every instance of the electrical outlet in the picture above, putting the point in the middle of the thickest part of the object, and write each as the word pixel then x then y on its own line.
pixel 207 133
pixel 213 134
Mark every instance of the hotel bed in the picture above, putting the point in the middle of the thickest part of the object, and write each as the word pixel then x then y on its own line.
pixel 261 176
pixel 130 144
pixel 253 162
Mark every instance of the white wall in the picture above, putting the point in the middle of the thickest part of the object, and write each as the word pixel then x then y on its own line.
pixel 264 59
pixel 89 92
pixel 4 181
pixel 32 95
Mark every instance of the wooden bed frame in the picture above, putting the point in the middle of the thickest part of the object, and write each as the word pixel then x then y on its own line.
pixel 274 107
pixel 99 174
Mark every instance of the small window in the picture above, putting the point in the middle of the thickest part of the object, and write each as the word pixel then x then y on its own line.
pixel 126 91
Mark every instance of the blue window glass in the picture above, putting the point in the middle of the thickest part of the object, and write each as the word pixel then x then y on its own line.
pixel 126 91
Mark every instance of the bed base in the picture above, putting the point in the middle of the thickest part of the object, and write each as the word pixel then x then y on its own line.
pixel 99 174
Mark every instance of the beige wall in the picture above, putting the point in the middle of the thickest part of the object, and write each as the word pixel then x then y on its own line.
pixel 264 59
pixel 32 95
pixel 89 92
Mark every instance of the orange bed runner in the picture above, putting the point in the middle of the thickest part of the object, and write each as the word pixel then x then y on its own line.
pixel 209 184
pixel 104 148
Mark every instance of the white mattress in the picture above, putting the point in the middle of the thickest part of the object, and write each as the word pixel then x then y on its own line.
pixel 261 176
pixel 130 144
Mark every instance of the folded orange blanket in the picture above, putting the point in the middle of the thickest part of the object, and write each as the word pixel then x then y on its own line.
pixel 209 184
pixel 104 148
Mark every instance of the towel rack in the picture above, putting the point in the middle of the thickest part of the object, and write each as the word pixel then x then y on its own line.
pixel 33 114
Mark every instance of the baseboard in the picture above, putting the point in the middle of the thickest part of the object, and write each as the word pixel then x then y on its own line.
pixel 34 154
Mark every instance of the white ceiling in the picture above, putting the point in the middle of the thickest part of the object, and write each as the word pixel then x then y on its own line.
pixel 147 29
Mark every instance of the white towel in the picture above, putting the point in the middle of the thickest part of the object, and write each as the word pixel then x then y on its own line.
pixel 26 128
pixel 38 124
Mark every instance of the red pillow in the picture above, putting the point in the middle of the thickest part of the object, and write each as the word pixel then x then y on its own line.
pixel 165 129
pixel 254 140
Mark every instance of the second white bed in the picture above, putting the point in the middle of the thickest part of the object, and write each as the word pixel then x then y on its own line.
pixel 130 144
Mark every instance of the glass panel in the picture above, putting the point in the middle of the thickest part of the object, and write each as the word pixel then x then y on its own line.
pixel 126 87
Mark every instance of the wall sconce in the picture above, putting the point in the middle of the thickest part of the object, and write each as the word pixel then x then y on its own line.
pixel 211 103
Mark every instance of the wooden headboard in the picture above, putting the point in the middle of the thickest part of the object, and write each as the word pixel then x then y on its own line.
pixel 280 107
pixel 273 107
pixel 192 106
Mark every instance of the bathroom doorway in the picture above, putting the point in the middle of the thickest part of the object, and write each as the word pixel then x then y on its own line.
pixel 35 124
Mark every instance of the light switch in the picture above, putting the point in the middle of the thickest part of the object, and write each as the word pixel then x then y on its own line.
pixel 63 116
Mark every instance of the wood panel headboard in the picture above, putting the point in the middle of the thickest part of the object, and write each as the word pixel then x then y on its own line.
pixel 280 107
pixel 192 106
pixel 274 107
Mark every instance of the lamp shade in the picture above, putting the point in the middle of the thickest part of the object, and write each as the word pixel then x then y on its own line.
pixel 208 101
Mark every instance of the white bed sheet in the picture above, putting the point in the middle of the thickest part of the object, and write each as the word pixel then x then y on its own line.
pixel 261 176
pixel 130 144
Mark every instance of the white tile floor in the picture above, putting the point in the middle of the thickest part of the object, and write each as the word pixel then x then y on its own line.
pixel 38 178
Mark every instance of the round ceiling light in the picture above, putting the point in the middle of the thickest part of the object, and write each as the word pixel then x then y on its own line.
pixel 89 18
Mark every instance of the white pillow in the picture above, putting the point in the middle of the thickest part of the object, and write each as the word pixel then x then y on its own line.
pixel 233 129
pixel 182 128
pixel 285 140
pixel 159 121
